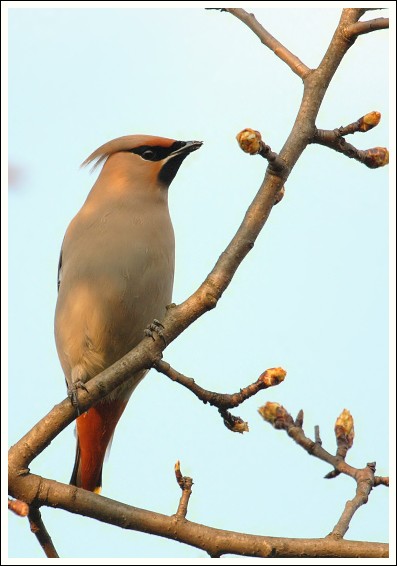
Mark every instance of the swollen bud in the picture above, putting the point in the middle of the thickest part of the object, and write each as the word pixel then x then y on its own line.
pixel 369 121
pixel 249 141
pixel 344 429
pixel 178 473
pixel 239 426
pixel 376 157
pixel 269 411
pixel 276 415
pixel 273 376
pixel 235 424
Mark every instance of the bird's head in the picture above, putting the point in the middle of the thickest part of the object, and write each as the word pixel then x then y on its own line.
pixel 145 160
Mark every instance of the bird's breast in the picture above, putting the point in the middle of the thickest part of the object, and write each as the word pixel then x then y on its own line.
pixel 117 276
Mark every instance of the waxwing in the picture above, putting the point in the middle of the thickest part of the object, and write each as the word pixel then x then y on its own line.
pixel 115 276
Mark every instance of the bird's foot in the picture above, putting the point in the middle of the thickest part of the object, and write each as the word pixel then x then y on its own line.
pixel 156 327
pixel 72 394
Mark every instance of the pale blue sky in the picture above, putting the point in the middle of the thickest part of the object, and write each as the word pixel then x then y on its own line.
pixel 310 297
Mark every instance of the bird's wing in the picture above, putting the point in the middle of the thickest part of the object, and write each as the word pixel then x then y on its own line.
pixel 59 277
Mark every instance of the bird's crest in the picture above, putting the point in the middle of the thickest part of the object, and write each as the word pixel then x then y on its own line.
pixel 124 143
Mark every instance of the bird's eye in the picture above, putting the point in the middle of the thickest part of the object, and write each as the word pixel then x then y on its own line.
pixel 149 154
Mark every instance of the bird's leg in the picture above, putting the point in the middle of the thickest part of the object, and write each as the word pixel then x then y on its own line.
pixel 157 327
pixel 77 381
pixel 72 394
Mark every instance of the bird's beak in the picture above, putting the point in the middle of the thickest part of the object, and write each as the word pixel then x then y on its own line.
pixel 187 148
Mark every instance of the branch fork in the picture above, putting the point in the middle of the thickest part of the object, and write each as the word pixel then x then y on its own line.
pixel 224 401
pixel 365 478
pixel 335 139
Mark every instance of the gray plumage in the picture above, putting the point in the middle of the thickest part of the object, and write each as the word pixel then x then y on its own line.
pixel 117 262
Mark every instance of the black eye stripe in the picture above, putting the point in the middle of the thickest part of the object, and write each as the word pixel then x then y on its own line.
pixel 156 152
pixel 149 154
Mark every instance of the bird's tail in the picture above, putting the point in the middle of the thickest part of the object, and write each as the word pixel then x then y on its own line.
pixel 95 430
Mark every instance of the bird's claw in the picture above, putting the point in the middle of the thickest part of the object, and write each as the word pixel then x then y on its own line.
pixel 156 327
pixel 72 394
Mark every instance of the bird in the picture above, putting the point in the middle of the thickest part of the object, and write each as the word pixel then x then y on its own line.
pixel 115 277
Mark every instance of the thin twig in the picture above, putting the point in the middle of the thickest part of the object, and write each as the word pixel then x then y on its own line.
pixel 250 141
pixel 334 139
pixel 233 423
pixel 365 482
pixel 276 164
pixel 372 158
pixel 359 28
pixel 363 124
pixel 279 418
pixel 293 62
pixel 224 401
pixel 269 378
pixel 332 474
pixel 299 419
pixel 38 529
pixel 380 480
pixel 185 483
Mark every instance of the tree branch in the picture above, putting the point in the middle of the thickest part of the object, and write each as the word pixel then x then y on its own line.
pixel 363 124
pixel 215 542
pixel 250 141
pixel 334 139
pixel 185 483
pixel 293 62
pixel 39 491
pixel 365 482
pixel 38 529
pixel 379 480
pixel 344 433
pixel 279 418
pixel 372 158
pixel 269 378
pixel 178 318
pixel 224 401
pixel 359 28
